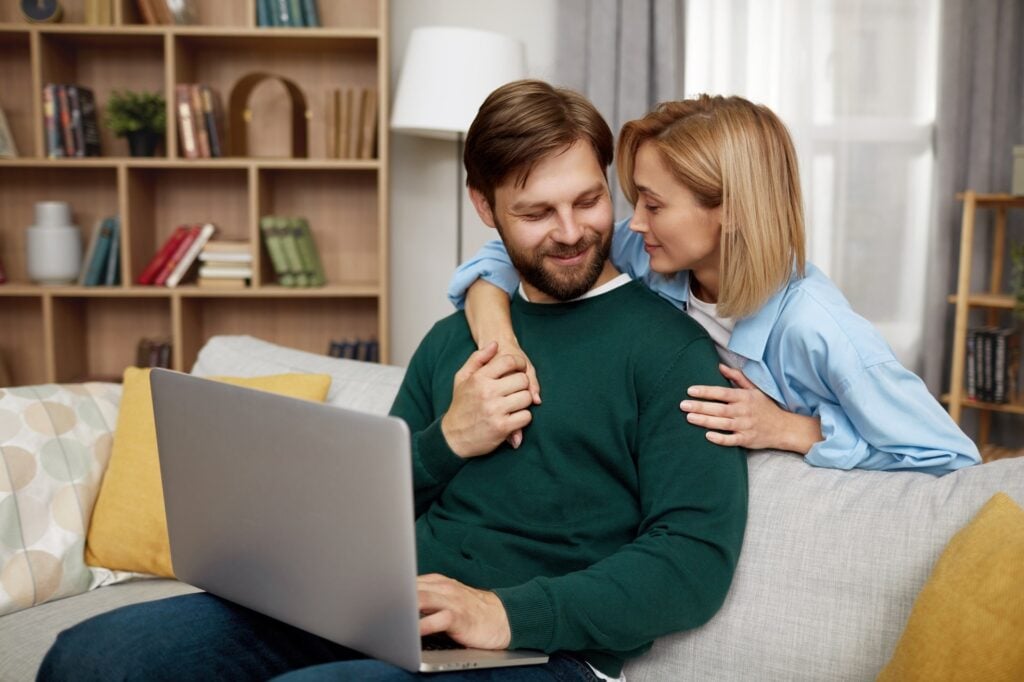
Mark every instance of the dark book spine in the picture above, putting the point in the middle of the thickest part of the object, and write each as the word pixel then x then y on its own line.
pixel 75 108
pixel 971 379
pixel 67 134
pixel 51 114
pixel 311 17
pixel 90 126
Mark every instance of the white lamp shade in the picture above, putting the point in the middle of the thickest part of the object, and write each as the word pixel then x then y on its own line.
pixel 447 74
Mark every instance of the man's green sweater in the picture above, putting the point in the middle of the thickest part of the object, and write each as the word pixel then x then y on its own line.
pixel 616 521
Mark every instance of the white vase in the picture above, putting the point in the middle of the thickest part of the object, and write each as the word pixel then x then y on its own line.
pixel 53 245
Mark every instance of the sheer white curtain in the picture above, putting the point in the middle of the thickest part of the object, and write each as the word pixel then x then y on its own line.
pixel 855 82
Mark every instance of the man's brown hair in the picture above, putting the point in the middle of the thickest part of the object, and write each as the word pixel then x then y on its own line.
pixel 523 122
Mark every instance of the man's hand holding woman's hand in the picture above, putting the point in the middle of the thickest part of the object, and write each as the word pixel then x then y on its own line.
pixel 473 618
pixel 490 402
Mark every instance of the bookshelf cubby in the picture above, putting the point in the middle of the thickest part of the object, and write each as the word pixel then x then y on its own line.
pixel 70 333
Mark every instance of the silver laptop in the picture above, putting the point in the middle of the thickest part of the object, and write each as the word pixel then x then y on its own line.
pixel 300 511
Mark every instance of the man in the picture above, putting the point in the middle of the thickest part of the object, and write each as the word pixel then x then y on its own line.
pixel 613 522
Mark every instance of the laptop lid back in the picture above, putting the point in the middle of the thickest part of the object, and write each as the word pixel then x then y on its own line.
pixel 298 510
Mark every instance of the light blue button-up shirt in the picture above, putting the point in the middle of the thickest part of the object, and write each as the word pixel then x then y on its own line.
pixel 810 352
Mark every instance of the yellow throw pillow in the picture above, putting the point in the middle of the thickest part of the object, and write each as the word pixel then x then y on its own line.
pixel 129 527
pixel 968 621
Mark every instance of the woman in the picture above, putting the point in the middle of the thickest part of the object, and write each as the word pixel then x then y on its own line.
pixel 718 230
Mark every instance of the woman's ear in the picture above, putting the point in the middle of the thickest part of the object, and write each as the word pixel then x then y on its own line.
pixel 482 206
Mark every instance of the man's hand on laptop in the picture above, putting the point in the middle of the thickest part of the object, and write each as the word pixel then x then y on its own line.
pixel 490 400
pixel 473 618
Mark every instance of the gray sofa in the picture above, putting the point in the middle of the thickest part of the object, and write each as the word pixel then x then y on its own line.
pixel 831 562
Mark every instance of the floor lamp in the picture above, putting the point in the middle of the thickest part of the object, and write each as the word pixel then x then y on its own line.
pixel 446 75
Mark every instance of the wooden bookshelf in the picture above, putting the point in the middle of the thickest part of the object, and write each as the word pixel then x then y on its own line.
pixel 996 304
pixel 69 333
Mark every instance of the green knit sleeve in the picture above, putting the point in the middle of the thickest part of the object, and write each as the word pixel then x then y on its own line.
pixel 675 574
pixel 433 462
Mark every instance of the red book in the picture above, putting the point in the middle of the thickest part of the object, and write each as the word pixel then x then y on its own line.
pixel 190 236
pixel 65 120
pixel 156 264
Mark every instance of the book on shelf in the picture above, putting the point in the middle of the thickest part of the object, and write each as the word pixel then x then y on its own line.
pixel 222 282
pixel 224 271
pixel 992 367
pixel 200 121
pixel 351 123
pixel 202 134
pixel 8 150
pixel 308 253
pixel 213 119
pixel 51 122
pixel 186 121
pixel 355 349
pixel 95 268
pixel 153 353
pixel 147 11
pixel 290 246
pixel 69 121
pixel 112 268
pixel 202 234
pixel 163 254
pixel 289 13
pixel 99 12
pixel 275 249
pixel 191 232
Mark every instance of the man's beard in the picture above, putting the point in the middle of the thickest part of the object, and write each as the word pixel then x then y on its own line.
pixel 563 284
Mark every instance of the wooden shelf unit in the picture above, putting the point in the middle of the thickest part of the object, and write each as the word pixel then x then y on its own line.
pixel 68 333
pixel 995 302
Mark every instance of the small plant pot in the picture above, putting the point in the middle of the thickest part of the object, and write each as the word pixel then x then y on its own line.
pixel 143 142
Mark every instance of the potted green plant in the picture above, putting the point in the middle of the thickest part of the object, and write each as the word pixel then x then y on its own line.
pixel 139 116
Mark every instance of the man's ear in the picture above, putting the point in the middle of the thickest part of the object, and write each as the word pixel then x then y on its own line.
pixel 483 208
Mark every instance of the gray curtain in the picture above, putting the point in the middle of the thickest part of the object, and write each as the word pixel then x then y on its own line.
pixel 980 117
pixel 624 55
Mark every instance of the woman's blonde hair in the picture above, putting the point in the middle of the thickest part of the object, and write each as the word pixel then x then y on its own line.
pixel 738 155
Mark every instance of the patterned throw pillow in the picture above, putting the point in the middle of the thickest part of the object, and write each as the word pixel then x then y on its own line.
pixel 54 444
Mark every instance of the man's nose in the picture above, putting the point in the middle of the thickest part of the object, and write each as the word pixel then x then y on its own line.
pixel 569 231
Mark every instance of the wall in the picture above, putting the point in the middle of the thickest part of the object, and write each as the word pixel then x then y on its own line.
pixel 423 171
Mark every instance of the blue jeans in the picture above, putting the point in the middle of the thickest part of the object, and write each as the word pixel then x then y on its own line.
pixel 202 637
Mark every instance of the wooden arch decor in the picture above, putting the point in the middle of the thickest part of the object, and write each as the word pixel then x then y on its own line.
pixel 239 114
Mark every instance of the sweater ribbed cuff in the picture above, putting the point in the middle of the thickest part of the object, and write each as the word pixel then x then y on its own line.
pixel 530 615
pixel 436 456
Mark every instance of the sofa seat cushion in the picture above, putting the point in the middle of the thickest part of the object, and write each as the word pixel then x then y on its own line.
pixel 832 562
pixel 26 636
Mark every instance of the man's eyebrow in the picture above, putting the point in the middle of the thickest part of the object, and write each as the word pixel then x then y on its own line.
pixel 520 207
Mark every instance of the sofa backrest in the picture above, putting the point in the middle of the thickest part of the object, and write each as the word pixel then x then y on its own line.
pixel 363 386
pixel 831 564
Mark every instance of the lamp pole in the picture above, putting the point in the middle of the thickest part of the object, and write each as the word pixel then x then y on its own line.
pixel 458 198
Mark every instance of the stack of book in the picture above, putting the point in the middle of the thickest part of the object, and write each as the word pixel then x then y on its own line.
pixel 294 13
pixel 200 119
pixel 181 12
pixel 293 253
pixel 69 121
pixel 225 264
pixel 993 364
pixel 101 265
pixel 358 349
pixel 174 259
pixel 153 353
pixel 351 123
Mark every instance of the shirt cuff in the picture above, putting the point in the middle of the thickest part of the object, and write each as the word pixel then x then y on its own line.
pixel 436 456
pixel 530 616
